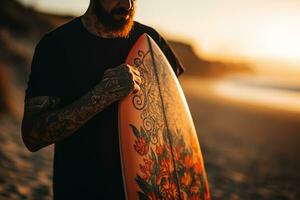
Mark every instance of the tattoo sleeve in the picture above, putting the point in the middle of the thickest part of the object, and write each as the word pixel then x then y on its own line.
pixel 45 122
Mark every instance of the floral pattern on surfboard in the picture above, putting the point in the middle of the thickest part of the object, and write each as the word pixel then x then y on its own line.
pixel 157 172
pixel 171 165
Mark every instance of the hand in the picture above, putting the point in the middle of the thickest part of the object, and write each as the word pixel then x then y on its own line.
pixel 121 80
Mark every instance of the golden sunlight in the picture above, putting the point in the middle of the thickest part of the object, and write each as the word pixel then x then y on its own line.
pixel 277 39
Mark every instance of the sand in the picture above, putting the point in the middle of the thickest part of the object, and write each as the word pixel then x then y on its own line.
pixel 251 152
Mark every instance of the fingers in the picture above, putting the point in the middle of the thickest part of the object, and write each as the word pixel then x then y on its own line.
pixel 136 78
pixel 136 88
pixel 132 69
pixel 121 70
pixel 125 76
pixel 135 71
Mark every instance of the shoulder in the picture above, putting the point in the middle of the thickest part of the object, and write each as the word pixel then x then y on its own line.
pixel 154 34
pixel 140 28
pixel 163 44
pixel 144 27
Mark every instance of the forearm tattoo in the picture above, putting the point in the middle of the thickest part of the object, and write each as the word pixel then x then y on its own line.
pixel 46 122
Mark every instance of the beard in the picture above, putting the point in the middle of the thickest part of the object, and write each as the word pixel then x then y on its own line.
pixel 117 23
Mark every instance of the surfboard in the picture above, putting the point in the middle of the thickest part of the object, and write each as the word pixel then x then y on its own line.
pixel 159 148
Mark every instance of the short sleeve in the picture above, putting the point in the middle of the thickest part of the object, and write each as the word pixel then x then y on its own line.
pixel 45 76
pixel 171 56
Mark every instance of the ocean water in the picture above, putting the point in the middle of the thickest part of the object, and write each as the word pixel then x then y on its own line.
pixel 268 91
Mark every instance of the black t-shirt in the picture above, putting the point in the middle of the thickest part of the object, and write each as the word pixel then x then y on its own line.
pixel 68 62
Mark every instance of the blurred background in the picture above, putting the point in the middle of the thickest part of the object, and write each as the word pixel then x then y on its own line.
pixel 242 82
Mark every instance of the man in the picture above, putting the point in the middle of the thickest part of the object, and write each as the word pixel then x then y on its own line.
pixel 78 76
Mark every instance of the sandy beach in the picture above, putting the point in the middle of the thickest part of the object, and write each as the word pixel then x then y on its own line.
pixel 248 125
pixel 250 151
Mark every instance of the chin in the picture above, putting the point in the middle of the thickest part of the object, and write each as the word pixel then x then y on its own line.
pixel 124 31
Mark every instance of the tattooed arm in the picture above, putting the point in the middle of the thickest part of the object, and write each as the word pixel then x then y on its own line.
pixel 45 122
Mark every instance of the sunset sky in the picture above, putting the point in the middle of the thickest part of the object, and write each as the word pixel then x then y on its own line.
pixel 227 29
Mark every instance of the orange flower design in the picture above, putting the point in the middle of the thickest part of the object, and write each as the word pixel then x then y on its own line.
pixel 198 167
pixel 177 152
pixel 148 163
pixel 158 162
pixel 171 166
pixel 164 171
pixel 186 179
pixel 169 191
pixel 146 169
pixel 141 146
pixel 159 150
pixel 195 189
pixel 188 162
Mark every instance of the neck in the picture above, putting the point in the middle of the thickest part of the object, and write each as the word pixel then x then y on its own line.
pixel 93 25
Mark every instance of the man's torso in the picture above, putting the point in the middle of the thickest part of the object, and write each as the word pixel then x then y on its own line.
pixel 87 164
